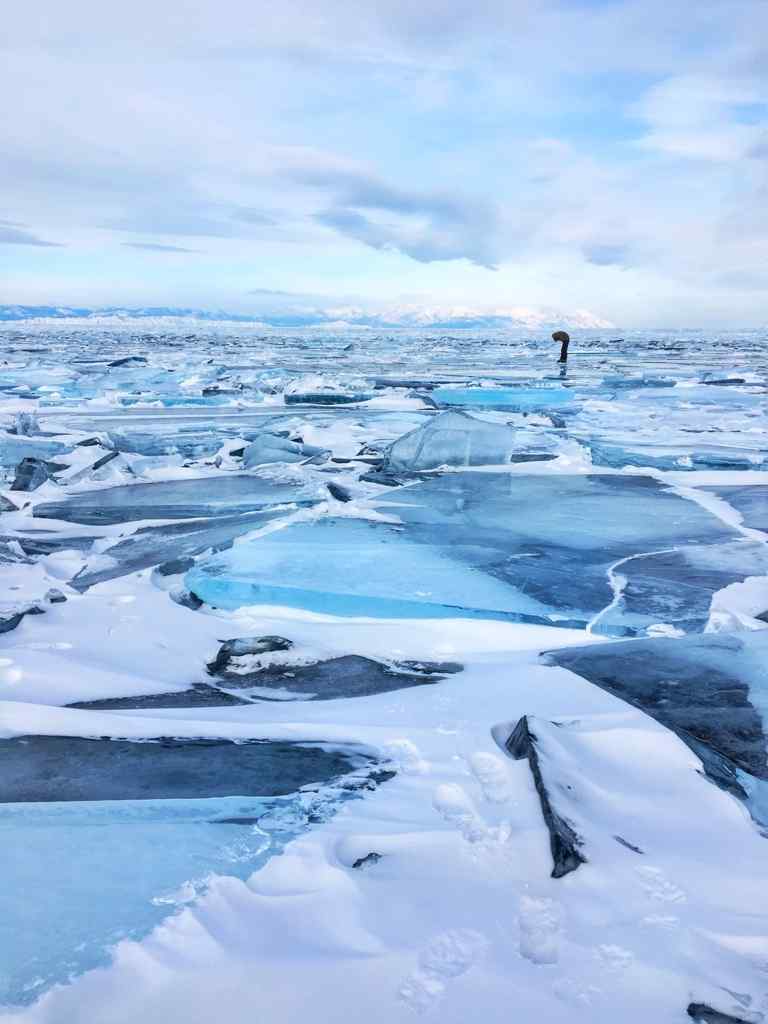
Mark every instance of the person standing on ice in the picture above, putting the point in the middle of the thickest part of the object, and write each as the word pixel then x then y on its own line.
pixel 564 339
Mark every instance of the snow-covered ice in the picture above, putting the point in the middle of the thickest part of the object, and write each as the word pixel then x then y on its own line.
pixel 310 643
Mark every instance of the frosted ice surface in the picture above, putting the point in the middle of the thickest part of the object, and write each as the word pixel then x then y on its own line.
pixel 116 869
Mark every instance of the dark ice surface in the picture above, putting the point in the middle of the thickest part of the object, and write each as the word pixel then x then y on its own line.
pixel 751 501
pixel 176 499
pixel 708 689
pixel 56 768
pixel 348 676
pixel 201 695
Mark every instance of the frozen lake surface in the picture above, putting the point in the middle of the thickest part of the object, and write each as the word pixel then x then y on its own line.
pixel 411 652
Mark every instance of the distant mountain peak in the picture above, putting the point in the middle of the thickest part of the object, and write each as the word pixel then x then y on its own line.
pixel 403 316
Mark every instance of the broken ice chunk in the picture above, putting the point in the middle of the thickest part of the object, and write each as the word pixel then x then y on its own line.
pixel 270 448
pixel 564 842
pixel 32 472
pixel 452 438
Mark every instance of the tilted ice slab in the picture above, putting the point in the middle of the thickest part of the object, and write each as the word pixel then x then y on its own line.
pixel 155 545
pixel 178 499
pixel 452 438
pixel 532 548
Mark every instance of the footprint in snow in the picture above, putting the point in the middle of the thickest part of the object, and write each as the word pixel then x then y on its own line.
pixel 614 958
pixel 576 992
pixel 454 804
pixel 540 924
pixel 658 886
pixel 492 775
pixel 407 757
pixel 447 956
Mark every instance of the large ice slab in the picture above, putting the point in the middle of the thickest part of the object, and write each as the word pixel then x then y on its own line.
pixel 557 539
pixel 358 568
pixel 532 548
pixel 177 499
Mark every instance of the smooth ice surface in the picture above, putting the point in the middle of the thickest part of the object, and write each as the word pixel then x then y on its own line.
pixel 494 544
pixel 354 567
pixel 143 827
pixel 503 398
pixel 178 499
pixel 55 768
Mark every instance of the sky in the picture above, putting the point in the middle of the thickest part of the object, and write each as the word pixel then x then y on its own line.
pixel 246 155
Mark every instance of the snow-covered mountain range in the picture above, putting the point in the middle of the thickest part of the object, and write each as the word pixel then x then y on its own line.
pixel 437 317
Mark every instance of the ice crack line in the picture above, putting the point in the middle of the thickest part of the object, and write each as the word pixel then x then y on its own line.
pixel 721 509
pixel 617 582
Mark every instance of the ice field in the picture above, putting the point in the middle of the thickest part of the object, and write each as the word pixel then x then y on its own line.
pixel 396 674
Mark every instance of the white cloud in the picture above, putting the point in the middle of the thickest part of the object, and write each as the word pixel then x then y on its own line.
pixel 589 148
